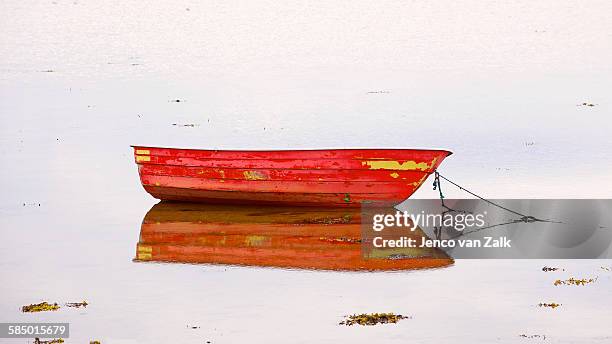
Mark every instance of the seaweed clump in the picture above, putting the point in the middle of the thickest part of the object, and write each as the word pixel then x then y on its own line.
pixel 549 305
pixel 549 269
pixel 40 307
pixel 573 281
pixel 52 341
pixel 77 304
pixel 94 342
pixel 372 319
pixel 543 336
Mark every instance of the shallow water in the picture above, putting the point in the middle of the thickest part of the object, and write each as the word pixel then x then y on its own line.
pixel 496 83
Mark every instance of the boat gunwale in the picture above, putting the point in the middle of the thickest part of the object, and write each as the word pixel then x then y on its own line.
pixel 298 150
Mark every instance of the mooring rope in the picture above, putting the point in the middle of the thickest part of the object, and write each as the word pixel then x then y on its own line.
pixel 437 185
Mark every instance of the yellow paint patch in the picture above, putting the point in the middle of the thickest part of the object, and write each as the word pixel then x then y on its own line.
pixel 144 256
pixel 144 252
pixel 394 175
pixel 418 183
pixel 143 248
pixel 254 175
pixel 143 151
pixel 141 158
pixel 396 165
pixel 255 240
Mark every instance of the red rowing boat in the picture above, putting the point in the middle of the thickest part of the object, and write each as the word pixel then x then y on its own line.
pixel 326 177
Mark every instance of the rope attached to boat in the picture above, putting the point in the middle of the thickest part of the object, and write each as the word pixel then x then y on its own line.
pixel 438 186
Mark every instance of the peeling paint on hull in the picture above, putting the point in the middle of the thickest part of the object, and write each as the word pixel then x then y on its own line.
pixel 398 165
pixel 336 177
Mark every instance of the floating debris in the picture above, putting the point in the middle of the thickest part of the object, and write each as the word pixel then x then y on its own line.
pixel 606 268
pixel 77 304
pixel 94 342
pixel 533 336
pixel 40 307
pixel 47 71
pixel 177 101
pixel 548 269
pixel 186 125
pixel 52 341
pixel 372 319
pixel 550 305
pixel 193 327
pixel 573 281
pixel 378 92
pixel 586 104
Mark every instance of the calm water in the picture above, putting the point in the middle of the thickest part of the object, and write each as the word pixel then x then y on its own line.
pixel 496 83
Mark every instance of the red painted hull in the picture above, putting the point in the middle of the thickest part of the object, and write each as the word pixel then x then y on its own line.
pixel 333 177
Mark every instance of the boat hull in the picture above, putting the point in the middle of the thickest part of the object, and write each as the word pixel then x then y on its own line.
pixel 341 177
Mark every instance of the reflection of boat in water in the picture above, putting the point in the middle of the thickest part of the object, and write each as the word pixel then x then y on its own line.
pixel 288 237
pixel 319 177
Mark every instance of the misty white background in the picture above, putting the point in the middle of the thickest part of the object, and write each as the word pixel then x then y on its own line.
pixel 496 82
